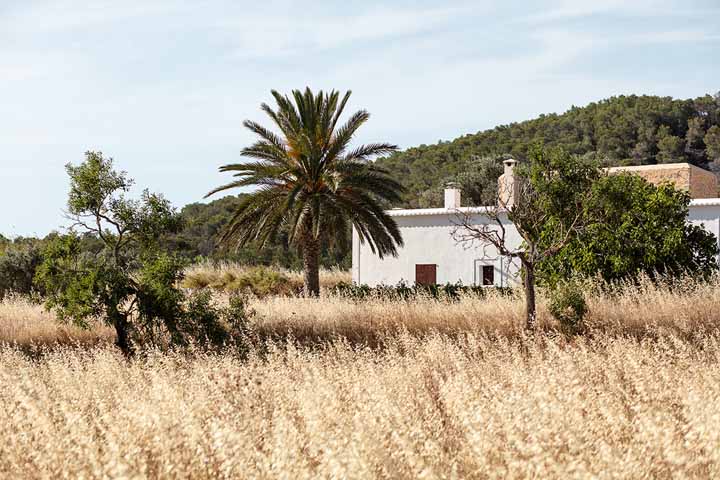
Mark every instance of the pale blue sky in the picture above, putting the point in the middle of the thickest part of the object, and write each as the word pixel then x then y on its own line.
pixel 163 86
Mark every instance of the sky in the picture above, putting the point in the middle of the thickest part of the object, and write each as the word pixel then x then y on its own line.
pixel 163 86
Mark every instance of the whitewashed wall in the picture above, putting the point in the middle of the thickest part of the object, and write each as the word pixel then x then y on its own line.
pixel 428 240
pixel 706 212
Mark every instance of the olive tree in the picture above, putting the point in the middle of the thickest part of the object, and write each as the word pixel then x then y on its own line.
pixel 130 283
pixel 545 206
pixel 576 220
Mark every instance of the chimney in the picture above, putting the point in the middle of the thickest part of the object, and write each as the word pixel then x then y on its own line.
pixel 507 186
pixel 452 196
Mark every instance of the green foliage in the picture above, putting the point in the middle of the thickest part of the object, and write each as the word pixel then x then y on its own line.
pixel 670 147
pixel 211 326
pixel 568 306
pixel 554 189
pixel 202 227
pixel 314 187
pixel 18 262
pixel 712 142
pixel 127 282
pixel 403 291
pixel 633 227
pixel 617 131
pixel 478 183
pixel 159 300
pixel 78 286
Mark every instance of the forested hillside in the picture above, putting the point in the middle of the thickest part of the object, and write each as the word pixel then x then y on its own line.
pixel 624 130
pixel 202 223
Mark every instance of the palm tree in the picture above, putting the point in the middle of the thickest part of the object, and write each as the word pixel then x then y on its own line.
pixel 310 184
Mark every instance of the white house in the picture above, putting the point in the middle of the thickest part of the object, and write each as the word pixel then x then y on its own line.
pixel 433 255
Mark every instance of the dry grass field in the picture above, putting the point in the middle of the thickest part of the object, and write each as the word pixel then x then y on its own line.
pixel 378 389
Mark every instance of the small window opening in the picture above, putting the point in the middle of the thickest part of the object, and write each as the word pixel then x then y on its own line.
pixel 488 275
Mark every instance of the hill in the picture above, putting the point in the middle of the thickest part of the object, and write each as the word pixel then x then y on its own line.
pixel 203 223
pixel 623 130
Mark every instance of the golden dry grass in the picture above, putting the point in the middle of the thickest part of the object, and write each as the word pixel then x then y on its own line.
pixel 25 323
pixel 231 276
pixel 456 391
pixel 468 407
pixel 684 308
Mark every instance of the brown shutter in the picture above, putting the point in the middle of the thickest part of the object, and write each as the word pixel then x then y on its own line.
pixel 426 274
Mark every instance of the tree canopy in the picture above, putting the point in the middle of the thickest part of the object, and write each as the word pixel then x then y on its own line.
pixel 130 282
pixel 545 204
pixel 633 227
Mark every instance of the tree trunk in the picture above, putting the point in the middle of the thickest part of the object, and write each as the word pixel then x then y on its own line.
pixel 530 313
pixel 311 264
pixel 122 331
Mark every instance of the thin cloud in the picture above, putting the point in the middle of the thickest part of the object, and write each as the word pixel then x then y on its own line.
pixel 59 16
pixel 255 36
pixel 575 9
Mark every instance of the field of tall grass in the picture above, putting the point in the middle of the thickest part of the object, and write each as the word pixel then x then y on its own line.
pixel 378 388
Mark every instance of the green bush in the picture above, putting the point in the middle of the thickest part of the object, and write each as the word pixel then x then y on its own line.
pixel 18 264
pixel 404 291
pixel 212 326
pixel 568 306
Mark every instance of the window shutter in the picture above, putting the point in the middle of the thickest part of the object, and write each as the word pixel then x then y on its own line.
pixel 426 274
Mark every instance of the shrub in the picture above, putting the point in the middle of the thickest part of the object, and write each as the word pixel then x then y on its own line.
pixel 404 291
pixel 568 306
pixel 129 282
pixel 211 326
pixel 17 269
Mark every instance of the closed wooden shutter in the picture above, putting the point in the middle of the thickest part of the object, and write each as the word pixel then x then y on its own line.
pixel 426 274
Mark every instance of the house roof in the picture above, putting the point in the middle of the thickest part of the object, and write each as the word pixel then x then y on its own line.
pixel 700 183
pixel 420 212
pixel 414 212
pixel 705 202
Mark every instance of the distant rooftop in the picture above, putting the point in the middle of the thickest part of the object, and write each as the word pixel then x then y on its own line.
pixel 699 182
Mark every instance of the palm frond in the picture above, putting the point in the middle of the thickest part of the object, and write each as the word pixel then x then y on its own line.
pixel 342 137
pixel 366 152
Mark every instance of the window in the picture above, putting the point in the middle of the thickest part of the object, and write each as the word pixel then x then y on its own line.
pixel 488 275
pixel 426 274
pixel 488 272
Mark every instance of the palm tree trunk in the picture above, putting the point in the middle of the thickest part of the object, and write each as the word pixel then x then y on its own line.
pixel 529 283
pixel 311 264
